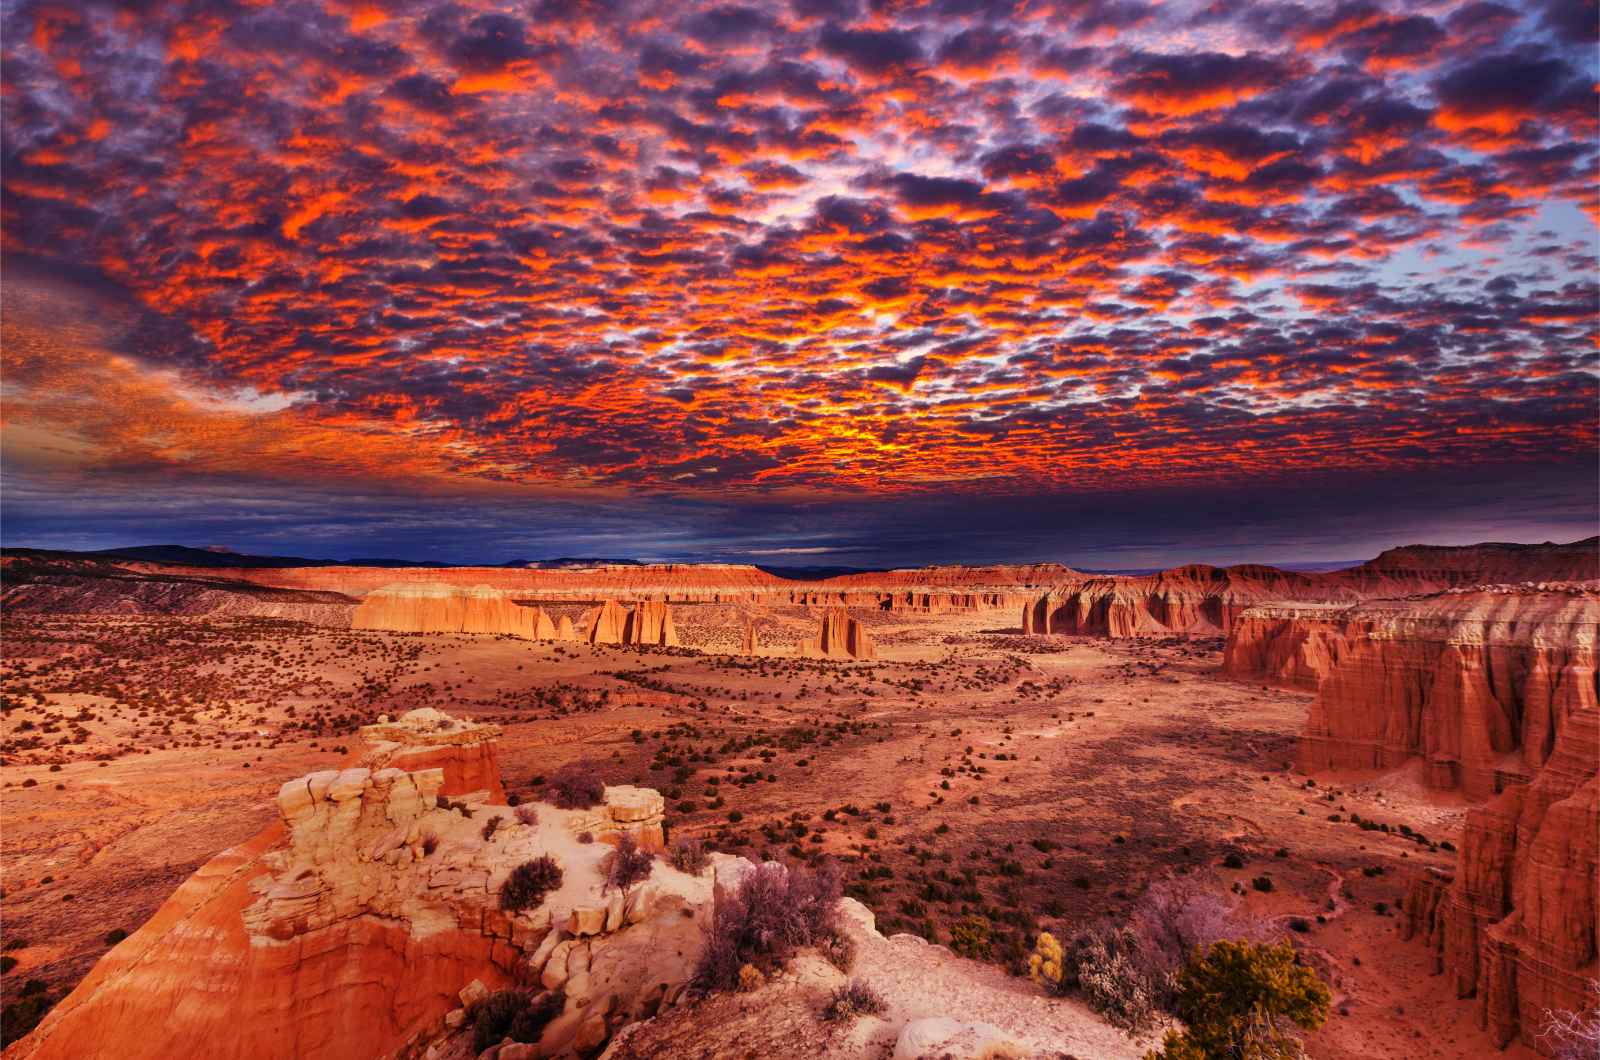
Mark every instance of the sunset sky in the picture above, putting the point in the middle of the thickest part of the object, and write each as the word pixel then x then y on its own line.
pixel 819 281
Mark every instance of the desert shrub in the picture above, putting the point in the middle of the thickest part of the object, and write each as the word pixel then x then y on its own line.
pixel 776 910
pixel 1172 920
pixel 689 855
pixel 839 950
pixel 490 827
pixel 1045 962
pixel 7 963
pixel 527 814
pixel 1574 1035
pixel 1262 884
pixel 969 937
pixel 529 882
pixel 750 979
pixel 1240 999
pixel 1105 966
pixel 114 936
pixel 23 1013
pixel 627 865
pixel 576 786
pixel 430 843
pixel 848 1002
pixel 512 1014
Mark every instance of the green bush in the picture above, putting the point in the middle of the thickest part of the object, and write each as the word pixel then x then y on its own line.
pixel 1239 999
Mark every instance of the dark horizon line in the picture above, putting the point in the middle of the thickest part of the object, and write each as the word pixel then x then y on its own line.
pixel 215 557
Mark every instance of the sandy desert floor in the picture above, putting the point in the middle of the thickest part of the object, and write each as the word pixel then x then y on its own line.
pixel 1039 782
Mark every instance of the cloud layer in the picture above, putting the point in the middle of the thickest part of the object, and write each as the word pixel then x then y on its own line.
pixel 836 249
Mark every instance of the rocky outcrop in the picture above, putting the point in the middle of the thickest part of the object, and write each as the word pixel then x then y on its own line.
pixel 442 608
pixel 364 919
pixel 748 643
pixel 564 630
pixel 1516 927
pixel 426 738
pixel 840 637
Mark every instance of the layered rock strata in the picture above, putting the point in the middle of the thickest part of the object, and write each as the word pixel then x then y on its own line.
pixel 1515 929
pixel 1476 684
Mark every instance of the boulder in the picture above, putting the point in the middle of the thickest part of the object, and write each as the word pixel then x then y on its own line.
pixel 947 1038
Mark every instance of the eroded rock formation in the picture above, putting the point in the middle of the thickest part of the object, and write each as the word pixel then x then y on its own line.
pixel 748 642
pixel 840 637
pixel 607 625
pixel 442 608
pixel 1210 600
pixel 361 922
pixel 650 622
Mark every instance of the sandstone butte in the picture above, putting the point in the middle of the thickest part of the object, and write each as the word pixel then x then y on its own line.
pixel 434 607
pixel 1495 690
pixel 839 637
pixel 361 922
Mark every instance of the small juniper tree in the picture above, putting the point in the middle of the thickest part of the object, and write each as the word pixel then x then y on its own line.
pixel 1240 999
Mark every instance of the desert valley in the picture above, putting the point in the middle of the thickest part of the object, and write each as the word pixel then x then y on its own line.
pixel 274 809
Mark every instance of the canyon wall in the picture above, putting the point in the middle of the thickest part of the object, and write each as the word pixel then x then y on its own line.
pixel 1515 929
pixel 1476 684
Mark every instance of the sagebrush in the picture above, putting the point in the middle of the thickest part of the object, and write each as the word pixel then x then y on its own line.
pixel 775 910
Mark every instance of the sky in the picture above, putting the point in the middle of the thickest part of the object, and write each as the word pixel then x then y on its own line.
pixel 858 282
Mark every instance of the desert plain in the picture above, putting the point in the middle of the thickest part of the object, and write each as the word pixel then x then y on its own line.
pixel 1035 780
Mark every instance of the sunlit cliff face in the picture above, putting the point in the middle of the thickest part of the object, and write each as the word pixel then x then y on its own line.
pixel 787 252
